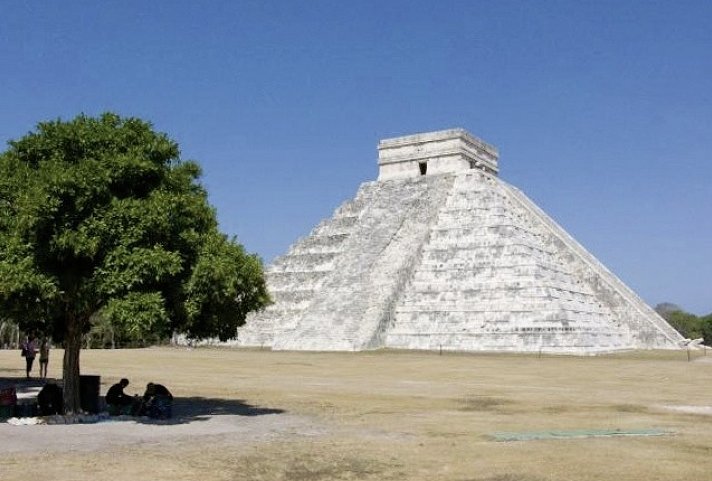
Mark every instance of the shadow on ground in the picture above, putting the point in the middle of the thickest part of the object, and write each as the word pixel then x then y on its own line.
pixel 195 409
pixel 185 409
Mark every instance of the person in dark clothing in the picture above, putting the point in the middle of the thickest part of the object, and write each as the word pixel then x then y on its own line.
pixel 116 401
pixel 44 357
pixel 29 351
pixel 50 400
pixel 157 402
pixel 153 390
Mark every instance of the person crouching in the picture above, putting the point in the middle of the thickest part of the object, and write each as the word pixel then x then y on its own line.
pixel 157 402
pixel 117 402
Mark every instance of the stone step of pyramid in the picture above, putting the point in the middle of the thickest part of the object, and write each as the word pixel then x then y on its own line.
pixel 392 227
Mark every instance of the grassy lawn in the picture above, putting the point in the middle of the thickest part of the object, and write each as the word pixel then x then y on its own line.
pixel 390 415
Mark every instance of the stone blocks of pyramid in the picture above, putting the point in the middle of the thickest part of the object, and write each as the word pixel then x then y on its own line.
pixel 441 254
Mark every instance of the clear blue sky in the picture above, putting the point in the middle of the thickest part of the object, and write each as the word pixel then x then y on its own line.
pixel 601 110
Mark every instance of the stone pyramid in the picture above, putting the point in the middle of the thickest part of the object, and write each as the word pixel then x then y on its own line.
pixel 439 253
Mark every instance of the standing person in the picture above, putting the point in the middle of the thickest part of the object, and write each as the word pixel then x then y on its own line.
pixel 44 357
pixel 29 351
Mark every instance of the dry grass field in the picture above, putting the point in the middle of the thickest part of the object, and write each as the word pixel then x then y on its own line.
pixel 261 415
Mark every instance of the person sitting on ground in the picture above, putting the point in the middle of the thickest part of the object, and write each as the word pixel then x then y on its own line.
pixel 116 401
pixel 157 402
pixel 50 400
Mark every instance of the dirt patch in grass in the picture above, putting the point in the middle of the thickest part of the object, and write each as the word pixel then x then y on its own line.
pixel 482 403
pixel 629 408
pixel 562 409
pixel 701 410
pixel 324 462
pixel 508 477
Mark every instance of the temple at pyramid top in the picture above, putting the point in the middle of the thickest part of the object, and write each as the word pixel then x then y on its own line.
pixel 445 151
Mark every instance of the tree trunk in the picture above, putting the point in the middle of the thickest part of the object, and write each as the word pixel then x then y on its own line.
pixel 72 348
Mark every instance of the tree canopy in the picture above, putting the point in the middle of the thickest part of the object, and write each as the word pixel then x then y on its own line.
pixel 688 325
pixel 100 218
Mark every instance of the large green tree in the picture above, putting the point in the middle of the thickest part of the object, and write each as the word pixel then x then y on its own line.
pixel 101 219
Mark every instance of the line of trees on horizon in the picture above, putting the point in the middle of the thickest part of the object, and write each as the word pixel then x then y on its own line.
pixel 686 323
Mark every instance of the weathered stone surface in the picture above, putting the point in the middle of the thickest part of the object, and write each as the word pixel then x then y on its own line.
pixel 447 257
pixel 433 153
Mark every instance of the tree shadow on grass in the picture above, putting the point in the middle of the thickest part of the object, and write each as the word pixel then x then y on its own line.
pixel 185 409
pixel 191 407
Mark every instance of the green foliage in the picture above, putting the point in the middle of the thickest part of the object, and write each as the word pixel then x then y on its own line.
pixel 138 314
pixel 706 328
pixel 686 324
pixel 101 220
pixel 689 325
